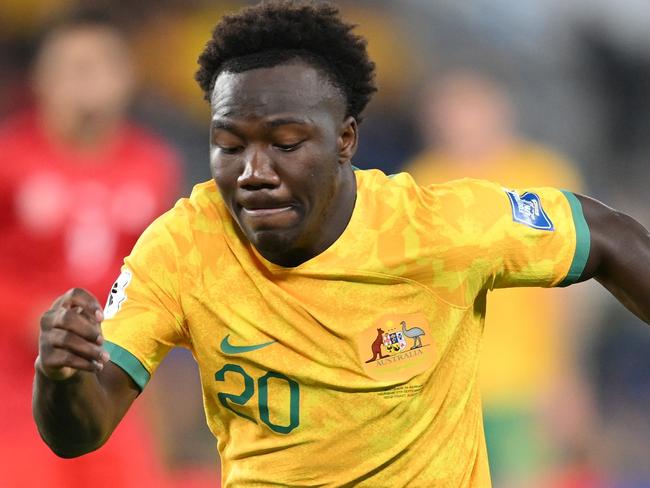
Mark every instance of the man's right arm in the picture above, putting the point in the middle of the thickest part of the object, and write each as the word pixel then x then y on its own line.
pixel 79 395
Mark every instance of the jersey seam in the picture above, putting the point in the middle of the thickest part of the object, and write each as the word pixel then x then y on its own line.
pixel 400 278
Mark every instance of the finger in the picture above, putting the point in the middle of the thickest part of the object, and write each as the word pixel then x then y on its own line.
pixel 62 339
pixel 61 358
pixel 78 297
pixel 58 302
pixel 72 321
pixel 49 317
pixel 94 316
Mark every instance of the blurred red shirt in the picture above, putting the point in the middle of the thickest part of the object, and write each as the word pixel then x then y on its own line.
pixel 67 218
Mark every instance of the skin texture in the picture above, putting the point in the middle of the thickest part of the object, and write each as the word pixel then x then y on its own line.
pixel 280 154
pixel 79 396
pixel 619 257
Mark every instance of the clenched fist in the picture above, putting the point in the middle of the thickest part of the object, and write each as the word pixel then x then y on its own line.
pixel 71 337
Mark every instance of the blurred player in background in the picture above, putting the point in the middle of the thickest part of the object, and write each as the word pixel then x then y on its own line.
pixel 468 123
pixel 78 183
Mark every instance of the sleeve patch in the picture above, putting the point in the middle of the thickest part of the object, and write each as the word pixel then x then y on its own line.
pixel 527 210
pixel 117 296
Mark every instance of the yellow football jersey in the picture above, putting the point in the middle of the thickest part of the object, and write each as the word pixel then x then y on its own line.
pixel 536 343
pixel 359 366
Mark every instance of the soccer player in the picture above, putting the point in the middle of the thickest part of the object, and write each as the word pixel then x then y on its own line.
pixel 335 314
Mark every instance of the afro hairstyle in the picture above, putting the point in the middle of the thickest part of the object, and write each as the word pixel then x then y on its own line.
pixel 280 31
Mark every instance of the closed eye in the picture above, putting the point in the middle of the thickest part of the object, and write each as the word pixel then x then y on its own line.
pixel 288 147
pixel 230 149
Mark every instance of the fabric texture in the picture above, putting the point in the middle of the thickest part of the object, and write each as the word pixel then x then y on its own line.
pixel 364 370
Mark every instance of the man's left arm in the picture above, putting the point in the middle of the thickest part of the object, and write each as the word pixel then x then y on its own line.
pixel 619 255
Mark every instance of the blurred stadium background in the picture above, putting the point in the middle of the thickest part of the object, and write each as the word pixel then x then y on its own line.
pixel 524 92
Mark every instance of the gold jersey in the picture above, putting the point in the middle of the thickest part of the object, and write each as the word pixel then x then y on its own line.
pixel 359 366
pixel 523 354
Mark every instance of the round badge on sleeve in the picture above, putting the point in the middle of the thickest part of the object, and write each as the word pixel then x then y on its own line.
pixel 117 296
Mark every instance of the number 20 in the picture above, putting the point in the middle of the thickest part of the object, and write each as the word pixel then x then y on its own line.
pixel 263 397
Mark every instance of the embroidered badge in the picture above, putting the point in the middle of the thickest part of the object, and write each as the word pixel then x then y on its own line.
pixel 527 209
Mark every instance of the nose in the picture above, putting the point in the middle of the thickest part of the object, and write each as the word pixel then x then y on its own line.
pixel 259 171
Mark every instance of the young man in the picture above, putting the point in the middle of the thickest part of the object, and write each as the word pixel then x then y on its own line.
pixel 335 314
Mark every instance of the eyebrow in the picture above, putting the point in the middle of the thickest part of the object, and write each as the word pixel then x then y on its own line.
pixel 270 124
pixel 224 125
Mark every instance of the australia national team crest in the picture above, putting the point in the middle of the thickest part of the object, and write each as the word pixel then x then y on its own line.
pixel 527 209
pixel 397 347
pixel 394 341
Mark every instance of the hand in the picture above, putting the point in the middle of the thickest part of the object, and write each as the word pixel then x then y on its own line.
pixel 71 338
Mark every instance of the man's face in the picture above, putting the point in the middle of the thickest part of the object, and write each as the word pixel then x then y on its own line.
pixel 83 78
pixel 280 145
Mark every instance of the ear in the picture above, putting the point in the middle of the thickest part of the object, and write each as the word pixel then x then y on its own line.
pixel 347 140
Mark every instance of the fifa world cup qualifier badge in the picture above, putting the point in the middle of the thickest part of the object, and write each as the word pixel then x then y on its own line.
pixel 397 347
pixel 527 210
pixel 117 296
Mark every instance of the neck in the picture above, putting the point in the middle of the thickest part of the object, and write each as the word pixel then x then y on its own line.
pixel 333 224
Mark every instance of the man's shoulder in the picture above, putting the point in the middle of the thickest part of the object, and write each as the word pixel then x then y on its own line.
pixel 378 180
pixel 402 187
pixel 453 208
pixel 187 235
pixel 204 194
pixel 198 212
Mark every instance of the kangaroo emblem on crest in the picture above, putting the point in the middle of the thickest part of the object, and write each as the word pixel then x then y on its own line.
pixel 376 347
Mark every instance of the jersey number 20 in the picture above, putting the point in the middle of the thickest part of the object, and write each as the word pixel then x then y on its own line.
pixel 262 397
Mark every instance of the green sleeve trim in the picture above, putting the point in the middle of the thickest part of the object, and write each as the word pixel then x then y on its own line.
pixel 129 363
pixel 583 240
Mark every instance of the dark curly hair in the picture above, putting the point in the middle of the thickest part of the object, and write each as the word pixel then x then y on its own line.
pixel 279 31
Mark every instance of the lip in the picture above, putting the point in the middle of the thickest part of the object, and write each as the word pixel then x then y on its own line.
pixel 265 212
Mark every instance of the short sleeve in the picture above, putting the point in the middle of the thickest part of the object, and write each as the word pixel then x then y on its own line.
pixel 143 313
pixel 517 237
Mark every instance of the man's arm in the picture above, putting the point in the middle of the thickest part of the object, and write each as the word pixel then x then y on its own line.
pixel 79 395
pixel 619 256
